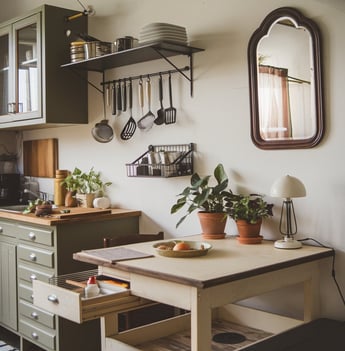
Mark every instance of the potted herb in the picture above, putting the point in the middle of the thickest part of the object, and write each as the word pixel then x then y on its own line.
pixel 208 200
pixel 248 212
pixel 84 186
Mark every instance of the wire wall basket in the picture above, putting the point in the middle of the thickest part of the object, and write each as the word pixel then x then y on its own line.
pixel 163 161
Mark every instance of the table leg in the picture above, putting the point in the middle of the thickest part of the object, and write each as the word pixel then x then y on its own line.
pixel 201 321
pixel 312 295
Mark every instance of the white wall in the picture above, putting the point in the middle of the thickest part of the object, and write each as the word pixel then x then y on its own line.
pixel 217 120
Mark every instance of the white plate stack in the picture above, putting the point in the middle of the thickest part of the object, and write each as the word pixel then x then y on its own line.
pixel 155 32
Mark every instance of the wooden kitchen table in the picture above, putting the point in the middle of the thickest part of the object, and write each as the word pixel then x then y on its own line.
pixel 207 286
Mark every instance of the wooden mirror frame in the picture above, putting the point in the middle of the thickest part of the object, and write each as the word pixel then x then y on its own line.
pixel 260 32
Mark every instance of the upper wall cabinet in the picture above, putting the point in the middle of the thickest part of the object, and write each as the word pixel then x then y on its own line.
pixel 34 91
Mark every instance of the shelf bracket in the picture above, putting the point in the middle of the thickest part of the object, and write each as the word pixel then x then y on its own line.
pixel 190 78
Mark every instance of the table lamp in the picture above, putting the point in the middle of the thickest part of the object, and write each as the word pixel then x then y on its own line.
pixel 288 187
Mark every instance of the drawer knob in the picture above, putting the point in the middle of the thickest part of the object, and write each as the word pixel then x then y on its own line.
pixel 53 298
pixel 1 230
pixel 34 336
pixel 32 236
pixel 32 297
pixel 33 277
pixel 33 257
pixel 34 315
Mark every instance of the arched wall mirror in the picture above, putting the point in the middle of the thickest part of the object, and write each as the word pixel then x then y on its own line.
pixel 284 58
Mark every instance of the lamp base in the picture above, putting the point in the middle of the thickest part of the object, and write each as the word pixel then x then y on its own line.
pixel 288 243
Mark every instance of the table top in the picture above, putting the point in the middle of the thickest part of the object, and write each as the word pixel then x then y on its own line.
pixel 226 261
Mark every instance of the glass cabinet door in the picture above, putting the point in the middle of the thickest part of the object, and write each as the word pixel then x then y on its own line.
pixel 27 68
pixel 4 70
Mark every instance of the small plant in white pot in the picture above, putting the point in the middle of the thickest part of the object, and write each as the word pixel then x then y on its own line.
pixel 86 186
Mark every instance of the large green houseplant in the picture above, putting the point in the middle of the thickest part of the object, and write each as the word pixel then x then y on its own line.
pixel 248 212
pixel 85 186
pixel 207 199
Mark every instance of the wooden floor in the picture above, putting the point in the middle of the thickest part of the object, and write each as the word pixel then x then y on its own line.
pixel 181 341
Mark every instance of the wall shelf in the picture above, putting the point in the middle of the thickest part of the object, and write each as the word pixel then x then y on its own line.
pixel 142 53
pixel 163 161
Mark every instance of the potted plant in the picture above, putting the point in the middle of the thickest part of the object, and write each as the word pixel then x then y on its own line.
pixel 208 200
pixel 84 186
pixel 248 212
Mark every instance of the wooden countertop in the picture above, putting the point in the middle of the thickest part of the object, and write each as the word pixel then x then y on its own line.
pixel 77 214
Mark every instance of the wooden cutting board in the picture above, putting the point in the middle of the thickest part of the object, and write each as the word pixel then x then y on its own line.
pixel 40 157
pixel 80 212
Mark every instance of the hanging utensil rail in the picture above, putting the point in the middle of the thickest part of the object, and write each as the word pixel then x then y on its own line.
pixel 148 75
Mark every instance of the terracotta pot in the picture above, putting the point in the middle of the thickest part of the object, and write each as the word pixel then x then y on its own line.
pixel 212 225
pixel 249 233
pixel 70 200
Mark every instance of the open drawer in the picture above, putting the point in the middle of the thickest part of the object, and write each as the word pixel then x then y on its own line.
pixel 68 300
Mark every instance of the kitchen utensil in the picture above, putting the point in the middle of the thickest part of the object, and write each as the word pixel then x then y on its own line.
pixel 119 97
pixel 170 112
pixel 107 94
pixel 146 122
pixel 161 112
pixel 113 102
pixel 124 96
pixel 130 126
pixel 102 131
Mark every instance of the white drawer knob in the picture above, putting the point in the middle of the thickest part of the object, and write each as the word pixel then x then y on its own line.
pixel 53 298
pixel 33 257
pixel 34 315
pixel 1 230
pixel 32 236
pixel 34 336
pixel 33 277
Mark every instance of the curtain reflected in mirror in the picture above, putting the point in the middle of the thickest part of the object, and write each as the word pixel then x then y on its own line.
pixel 285 82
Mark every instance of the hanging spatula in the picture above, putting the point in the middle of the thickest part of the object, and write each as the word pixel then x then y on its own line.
pixel 130 127
pixel 160 119
pixel 170 112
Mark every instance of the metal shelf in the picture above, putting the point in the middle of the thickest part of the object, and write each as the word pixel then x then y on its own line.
pixel 143 53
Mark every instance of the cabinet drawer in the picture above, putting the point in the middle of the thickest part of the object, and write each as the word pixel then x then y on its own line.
pixel 36 235
pixel 40 335
pixel 36 255
pixel 25 292
pixel 36 314
pixel 7 229
pixel 72 305
pixel 29 274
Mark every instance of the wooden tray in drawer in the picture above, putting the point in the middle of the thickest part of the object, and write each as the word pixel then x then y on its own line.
pixel 71 304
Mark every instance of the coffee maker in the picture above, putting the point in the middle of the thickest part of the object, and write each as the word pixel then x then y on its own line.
pixel 9 189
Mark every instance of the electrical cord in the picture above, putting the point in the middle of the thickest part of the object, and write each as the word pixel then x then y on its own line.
pixel 333 265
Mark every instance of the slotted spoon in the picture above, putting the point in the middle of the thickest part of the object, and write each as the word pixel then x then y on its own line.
pixel 170 112
pixel 130 127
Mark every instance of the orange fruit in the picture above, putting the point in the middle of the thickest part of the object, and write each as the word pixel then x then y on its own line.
pixel 181 246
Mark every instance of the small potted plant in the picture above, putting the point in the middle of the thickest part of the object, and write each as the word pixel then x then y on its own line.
pixel 84 186
pixel 248 212
pixel 208 200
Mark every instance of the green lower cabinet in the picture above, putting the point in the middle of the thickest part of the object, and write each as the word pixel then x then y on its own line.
pixel 8 283
pixel 30 252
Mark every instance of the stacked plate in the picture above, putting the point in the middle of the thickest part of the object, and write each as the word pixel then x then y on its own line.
pixel 154 32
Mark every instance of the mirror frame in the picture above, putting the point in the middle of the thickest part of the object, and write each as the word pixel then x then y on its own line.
pixel 260 32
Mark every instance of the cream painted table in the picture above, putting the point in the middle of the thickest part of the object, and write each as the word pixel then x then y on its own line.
pixel 209 285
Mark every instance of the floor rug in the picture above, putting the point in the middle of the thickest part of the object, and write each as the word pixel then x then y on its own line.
pixel 6 347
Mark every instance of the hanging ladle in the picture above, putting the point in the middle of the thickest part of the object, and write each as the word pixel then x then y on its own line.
pixel 102 131
pixel 146 122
